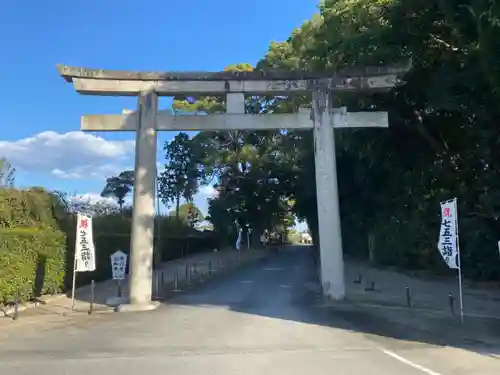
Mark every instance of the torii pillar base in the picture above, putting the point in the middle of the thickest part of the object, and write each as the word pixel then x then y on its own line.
pixel 134 307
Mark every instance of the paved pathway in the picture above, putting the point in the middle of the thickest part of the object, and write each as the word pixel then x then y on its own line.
pixel 170 276
pixel 265 318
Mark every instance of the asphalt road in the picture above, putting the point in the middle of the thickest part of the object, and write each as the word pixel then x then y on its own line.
pixel 264 318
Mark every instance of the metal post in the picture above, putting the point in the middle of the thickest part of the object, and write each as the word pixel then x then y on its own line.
pixel 119 292
pixel 370 288
pixel 461 296
pixel 176 279
pixel 73 286
pixel 408 296
pixel 451 302
pixel 157 283
pixel 201 274
pixel 16 305
pixel 92 296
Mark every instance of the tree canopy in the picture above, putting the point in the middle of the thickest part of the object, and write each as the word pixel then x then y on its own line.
pixel 180 177
pixel 118 187
pixel 188 213
pixel 442 138
pixel 441 142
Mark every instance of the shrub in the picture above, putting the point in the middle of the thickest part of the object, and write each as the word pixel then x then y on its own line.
pixel 33 207
pixel 31 259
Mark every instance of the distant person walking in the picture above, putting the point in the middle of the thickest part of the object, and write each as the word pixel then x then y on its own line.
pixel 263 238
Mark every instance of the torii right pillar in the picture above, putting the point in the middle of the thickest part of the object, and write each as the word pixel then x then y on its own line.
pixel 330 233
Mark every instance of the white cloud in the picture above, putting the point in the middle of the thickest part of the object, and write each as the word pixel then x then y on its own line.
pixel 85 172
pixel 208 191
pixel 73 155
pixel 92 198
pixel 160 168
pixel 65 176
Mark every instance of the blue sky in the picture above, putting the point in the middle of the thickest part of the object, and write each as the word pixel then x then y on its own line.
pixel 40 112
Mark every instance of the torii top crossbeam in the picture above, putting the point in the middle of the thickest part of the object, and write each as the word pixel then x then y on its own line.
pixel 268 82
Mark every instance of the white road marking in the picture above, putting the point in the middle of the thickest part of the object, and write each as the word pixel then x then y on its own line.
pixel 408 362
pixel 272 269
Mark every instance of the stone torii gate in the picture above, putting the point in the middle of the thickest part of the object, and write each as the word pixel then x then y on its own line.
pixel 235 86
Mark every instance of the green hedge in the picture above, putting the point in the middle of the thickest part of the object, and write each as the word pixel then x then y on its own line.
pixel 33 207
pixel 32 260
pixel 37 243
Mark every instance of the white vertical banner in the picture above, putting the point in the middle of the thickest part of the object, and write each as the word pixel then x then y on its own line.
pixel 448 234
pixel 84 248
pixel 449 243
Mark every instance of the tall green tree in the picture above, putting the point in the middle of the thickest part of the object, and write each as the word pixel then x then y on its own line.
pixel 245 163
pixel 181 175
pixel 188 213
pixel 118 187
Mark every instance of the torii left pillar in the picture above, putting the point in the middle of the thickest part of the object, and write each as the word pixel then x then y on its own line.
pixel 143 214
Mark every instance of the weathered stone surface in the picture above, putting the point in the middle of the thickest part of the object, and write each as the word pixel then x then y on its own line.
pixel 277 82
pixel 130 87
pixel 165 121
pixel 70 72
pixel 126 307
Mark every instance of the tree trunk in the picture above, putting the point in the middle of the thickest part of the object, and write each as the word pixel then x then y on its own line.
pixel 177 207
pixel 371 246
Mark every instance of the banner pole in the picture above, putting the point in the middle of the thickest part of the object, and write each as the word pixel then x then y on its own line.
pixel 459 264
pixel 74 283
pixel 461 294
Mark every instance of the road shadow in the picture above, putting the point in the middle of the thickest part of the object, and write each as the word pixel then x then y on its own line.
pixel 280 292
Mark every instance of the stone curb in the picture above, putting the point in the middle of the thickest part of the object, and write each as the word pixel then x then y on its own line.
pixel 8 312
